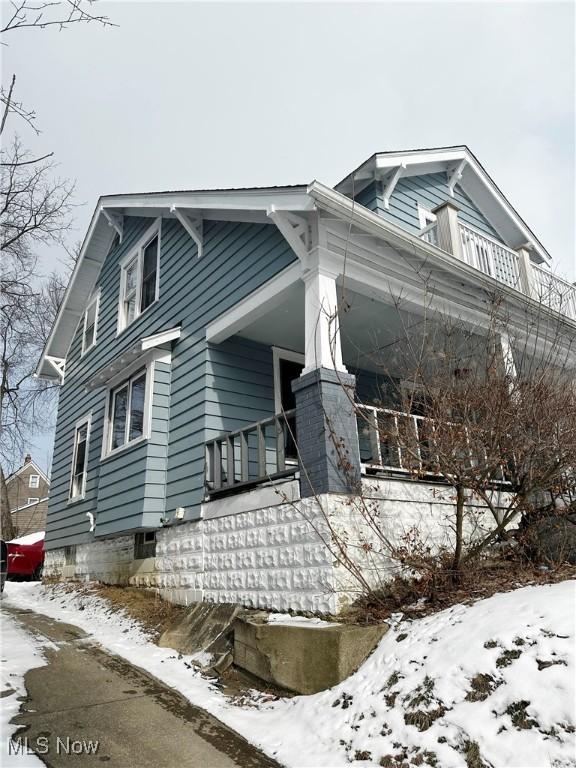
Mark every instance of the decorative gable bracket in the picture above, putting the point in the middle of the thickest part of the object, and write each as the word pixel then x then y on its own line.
pixel 294 229
pixel 59 365
pixel 455 175
pixel 192 225
pixel 390 183
pixel 114 220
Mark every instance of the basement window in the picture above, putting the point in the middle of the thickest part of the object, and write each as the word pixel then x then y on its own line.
pixel 70 555
pixel 139 279
pixel 144 545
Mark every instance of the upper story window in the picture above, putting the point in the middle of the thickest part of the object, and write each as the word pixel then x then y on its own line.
pixel 34 481
pixel 139 279
pixel 90 325
pixel 128 408
pixel 33 500
pixel 80 459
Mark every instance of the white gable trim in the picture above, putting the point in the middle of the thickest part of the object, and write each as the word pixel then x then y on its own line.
pixel 26 466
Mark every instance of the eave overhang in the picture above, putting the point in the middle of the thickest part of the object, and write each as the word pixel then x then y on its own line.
pixel 463 168
pixel 235 205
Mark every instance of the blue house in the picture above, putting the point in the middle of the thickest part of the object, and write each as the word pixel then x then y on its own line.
pixel 202 348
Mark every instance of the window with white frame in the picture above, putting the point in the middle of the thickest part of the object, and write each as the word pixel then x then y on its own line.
pixel 34 481
pixel 80 459
pixel 34 500
pixel 139 280
pixel 90 325
pixel 127 412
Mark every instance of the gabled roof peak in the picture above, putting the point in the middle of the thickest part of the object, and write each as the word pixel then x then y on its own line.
pixel 462 168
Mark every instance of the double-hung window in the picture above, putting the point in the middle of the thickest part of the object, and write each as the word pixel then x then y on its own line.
pixel 90 325
pixel 80 460
pixel 139 280
pixel 127 412
pixel 34 481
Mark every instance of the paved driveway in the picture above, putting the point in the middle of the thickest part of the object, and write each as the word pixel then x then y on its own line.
pixel 85 694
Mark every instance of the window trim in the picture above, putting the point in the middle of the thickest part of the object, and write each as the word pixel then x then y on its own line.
pixel 32 500
pixel 85 420
pixel 95 300
pixel 282 354
pixel 36 478
pixel 138 253
pixel 141 367
pixel 425 216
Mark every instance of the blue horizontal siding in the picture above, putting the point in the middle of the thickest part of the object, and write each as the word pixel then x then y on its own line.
pixel 198 395
pixel 428 191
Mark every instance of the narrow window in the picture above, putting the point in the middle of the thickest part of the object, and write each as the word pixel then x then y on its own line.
pixel 139 281
pixel 34 500
pixel 80 460
pixel 130 292
pixel 144 545
pixel 127 411
pixel 34 481
pixel 90 326
pixel 149 269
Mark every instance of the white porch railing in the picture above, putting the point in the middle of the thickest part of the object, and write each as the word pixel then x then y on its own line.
pixel 490 256
pixel 507 266
pixel 404 443
pixel 554 292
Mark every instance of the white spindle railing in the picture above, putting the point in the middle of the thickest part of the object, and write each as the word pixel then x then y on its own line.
pixel 490 256
pixel 554 292
pixel 430 234
pixel 503 264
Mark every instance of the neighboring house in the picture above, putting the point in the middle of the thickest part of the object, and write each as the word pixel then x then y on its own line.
pixel 28 489
pixel 188 318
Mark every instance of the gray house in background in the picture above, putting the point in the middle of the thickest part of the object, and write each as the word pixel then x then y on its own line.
pixel 197 341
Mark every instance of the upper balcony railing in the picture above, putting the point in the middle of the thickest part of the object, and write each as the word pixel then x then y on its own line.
pixel 511 268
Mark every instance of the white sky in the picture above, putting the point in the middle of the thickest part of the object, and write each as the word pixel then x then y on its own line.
pixel 191 95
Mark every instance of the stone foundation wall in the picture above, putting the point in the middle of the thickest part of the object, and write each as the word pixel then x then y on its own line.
pixel 275 556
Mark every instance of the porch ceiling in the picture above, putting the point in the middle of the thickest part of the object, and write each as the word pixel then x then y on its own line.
pixel 369 327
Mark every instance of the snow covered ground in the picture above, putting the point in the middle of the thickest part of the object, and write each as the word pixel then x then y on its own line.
pixel 488 684
pixel 19 652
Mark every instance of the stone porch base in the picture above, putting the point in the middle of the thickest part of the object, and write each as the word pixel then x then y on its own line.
pixel 262 550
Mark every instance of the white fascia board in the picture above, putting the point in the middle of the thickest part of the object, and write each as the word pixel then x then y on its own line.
pixel 258 200
pixel 159 339
pixel 343 207
pixel 392 160
pixel 25 506
pixel 253 307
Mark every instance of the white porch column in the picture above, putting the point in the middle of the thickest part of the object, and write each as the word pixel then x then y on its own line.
pixel 509 364
pixel 526 275
pixel 322 331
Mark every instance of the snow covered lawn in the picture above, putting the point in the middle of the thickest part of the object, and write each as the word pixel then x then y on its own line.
pixel 488 684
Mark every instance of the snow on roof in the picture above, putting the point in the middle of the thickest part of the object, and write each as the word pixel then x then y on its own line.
pixel 30 538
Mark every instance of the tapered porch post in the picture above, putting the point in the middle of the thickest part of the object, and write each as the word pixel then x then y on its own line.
pixel 326 428
pixel 323 348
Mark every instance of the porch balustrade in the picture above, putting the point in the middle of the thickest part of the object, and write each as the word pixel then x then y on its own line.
pixel 254 454
pixel 495 259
